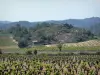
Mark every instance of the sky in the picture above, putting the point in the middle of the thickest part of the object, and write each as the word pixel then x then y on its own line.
pixel 42 10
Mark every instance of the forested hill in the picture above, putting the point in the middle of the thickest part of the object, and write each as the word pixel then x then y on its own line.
pixel 95 29
pixel 49 33
pixel 83 23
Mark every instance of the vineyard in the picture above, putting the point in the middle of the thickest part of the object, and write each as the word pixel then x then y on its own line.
pixel 14 64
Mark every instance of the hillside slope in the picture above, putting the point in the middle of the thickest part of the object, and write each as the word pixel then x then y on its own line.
pixel 6 41
pixel 95 29
pixel 93 45
pixel 90 43
pixel 60 33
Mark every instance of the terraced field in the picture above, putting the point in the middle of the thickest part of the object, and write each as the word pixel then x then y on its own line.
pixel 89 43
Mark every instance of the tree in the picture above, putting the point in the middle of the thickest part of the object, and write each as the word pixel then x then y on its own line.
pixel 60 46
pixel 0 51
pixel 28 52
pixel 69 26
pixel 35 52
pixel 23 43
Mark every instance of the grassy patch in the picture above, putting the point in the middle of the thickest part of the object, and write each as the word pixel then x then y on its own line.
pixel 6 40
pixel 63 48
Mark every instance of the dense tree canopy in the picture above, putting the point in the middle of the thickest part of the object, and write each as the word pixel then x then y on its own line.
pixel 48 33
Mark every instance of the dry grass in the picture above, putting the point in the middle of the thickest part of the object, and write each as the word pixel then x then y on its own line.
pixel 89 43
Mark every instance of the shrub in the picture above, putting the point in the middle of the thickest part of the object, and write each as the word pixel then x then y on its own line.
pixel 70 53
pixel 0 51
pixel 29 52
pixel 98 53
pixel 59 46
pixel 17 53
pixel 82 53
pixel 35 52
pixel 23 43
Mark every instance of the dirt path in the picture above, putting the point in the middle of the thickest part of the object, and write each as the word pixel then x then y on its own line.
pixel 13 40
